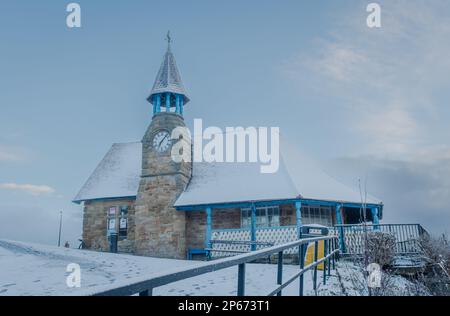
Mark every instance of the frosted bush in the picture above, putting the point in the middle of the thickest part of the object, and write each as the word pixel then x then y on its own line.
pixel 381 248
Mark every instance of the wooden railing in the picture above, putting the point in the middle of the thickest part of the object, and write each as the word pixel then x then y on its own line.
pixel 331 254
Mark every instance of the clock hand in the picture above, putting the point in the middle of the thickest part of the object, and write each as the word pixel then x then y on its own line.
pixel 162 140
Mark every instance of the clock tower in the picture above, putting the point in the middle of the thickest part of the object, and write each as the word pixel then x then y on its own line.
pixel 160 228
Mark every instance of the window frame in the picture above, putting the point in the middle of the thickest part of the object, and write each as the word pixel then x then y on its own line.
pixel 263 219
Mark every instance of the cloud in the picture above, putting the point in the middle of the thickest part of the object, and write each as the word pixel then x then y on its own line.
pixel 389 82
pixel 28 188
pixel 413 192
pixel 391 88
pixel 9 154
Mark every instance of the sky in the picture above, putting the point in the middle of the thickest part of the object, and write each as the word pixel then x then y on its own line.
pixel 367 103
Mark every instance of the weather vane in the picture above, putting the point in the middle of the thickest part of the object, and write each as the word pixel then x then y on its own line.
pixel 169 39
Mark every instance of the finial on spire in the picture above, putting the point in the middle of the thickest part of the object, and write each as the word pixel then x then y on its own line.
pixel 168 38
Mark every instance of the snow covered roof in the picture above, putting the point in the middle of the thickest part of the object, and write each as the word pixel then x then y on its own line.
pixel 117 175
pixel 297 177
pixel 214 183
pixel 168 78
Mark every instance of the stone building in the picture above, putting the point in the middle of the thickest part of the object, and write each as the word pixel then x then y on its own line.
pixel 165 209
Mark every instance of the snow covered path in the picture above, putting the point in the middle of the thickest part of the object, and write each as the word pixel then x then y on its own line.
pixel 28 269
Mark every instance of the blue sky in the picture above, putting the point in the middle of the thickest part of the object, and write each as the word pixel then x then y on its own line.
pixel 365 102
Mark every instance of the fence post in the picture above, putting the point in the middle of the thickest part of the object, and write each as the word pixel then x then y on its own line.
pixel 148 292
pixel 280 271
pixel 325 253
pixel 333 258
pixel 329 259
pixel 316 248
pixel 301 259
pixel 241 280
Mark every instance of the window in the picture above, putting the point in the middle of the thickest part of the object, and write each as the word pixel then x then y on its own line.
pixel 316 214
pixel 118 221
pixel 265 217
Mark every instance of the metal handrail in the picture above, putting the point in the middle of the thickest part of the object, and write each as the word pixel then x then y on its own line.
pixel 145 286
pixel 405 236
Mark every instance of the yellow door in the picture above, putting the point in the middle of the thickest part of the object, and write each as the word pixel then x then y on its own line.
pixel 310 254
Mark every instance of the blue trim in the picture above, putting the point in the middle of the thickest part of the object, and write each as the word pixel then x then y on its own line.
pixel 248 204
pixel 298 218
pixel 234 205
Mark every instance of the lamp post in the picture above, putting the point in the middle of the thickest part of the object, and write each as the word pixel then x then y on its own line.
pixel 60 226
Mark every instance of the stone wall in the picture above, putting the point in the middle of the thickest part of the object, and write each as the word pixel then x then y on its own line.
pixel 160 228
pixel 95 225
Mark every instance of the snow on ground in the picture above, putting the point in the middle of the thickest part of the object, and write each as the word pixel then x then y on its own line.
pixel 29 269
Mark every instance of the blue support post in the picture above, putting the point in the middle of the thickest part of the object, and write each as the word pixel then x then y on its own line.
pixel 181 105
pixel 154 104
pixel 341 229
pixel 298 218
pixel 177 104
pixel 253 228
pixel 208 227
pixel 375 219
pixel 168 102
pixel 158 103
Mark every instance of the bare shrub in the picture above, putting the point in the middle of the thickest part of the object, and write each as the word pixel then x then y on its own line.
pixel 381 248
pixel 436 276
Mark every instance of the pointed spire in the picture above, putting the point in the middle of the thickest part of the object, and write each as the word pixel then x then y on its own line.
pixel 168 79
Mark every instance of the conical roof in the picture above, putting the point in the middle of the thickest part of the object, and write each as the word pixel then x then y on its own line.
pixel 168 78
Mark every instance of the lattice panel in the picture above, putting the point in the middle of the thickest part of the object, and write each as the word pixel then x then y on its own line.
pixel 231 235
pixel 275 236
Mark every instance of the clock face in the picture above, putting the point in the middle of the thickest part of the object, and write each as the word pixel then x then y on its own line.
pixel 162 141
